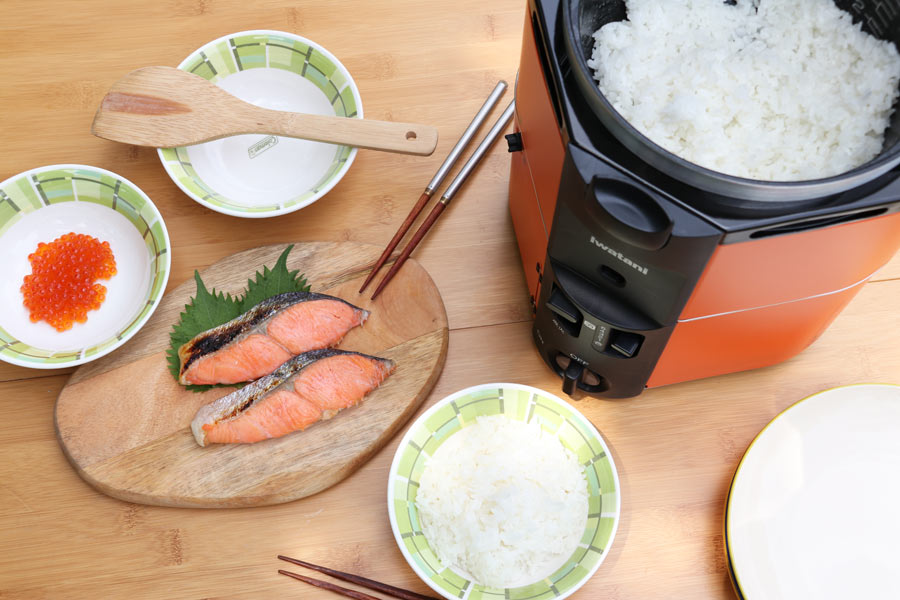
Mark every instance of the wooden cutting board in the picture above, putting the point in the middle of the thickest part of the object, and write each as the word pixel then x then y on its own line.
pixel 124 422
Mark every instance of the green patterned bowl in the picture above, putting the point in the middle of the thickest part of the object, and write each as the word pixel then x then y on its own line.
pixel 520 403
pixel 266 175
pixel 42 204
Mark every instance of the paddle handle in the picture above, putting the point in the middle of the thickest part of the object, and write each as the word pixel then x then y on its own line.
pixel 404 138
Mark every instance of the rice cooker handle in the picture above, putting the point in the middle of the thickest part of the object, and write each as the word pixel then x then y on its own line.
pixel 629 213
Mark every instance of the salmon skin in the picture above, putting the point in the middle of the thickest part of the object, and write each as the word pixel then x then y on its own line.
pixel 308 388
pixel 257 342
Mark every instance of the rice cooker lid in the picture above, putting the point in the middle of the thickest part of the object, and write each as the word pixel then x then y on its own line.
pixel 579 21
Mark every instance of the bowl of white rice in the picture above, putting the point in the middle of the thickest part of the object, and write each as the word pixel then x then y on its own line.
pixel 503 491
pixel 764 100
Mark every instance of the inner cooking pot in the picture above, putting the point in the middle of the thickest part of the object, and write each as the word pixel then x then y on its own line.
pixel 581 18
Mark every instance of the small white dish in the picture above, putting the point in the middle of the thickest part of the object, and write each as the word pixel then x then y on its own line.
pixel 812 511
pixel 266 175
pixel 45 203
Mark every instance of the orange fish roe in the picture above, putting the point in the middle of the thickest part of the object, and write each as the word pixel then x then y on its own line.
pixel 61 288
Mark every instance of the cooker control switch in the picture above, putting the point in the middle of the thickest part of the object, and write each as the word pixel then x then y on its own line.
pixel 625 343
pixel 563 307
pixel 571 376
pixel 568 317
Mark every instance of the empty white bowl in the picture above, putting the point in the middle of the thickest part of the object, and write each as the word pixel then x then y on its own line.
pixel 267 175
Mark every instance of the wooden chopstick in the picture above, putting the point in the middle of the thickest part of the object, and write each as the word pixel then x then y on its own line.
pixel 329 586
pixel 437 179
pixel 417 237
pixel 410 219
pixel 384 588
pixel 451 190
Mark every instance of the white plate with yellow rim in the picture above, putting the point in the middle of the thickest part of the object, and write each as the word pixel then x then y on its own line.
pixel 812 511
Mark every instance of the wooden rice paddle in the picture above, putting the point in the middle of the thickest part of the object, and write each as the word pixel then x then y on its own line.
pixel 166 107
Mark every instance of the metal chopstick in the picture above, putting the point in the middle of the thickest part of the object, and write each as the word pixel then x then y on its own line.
pixel 438 178
pixel 449 193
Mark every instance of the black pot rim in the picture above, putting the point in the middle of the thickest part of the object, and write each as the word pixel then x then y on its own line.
pixel 691 173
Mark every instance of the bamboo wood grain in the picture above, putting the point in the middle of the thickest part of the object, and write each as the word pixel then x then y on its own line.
pixel 676 447
pixel 121 417
pixel 165 107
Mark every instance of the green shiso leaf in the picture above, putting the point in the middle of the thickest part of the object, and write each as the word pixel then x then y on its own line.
pixel 209 308
pixel 271 282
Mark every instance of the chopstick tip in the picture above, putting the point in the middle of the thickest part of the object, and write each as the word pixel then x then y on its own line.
pixel 389 590
pixel 384 282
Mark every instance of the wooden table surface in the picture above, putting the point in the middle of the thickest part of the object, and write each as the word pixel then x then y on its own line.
pixel 432 62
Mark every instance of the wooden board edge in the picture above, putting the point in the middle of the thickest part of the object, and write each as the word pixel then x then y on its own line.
pixel 69 458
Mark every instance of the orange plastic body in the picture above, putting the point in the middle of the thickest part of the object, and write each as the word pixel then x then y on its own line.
pixel 536 170
pixel 760 302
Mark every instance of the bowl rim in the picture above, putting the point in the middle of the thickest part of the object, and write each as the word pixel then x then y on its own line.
pixel 338 176
pixel 469 390
pixel 167 266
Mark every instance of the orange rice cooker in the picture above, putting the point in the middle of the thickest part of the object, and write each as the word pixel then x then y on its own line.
pixel 645 269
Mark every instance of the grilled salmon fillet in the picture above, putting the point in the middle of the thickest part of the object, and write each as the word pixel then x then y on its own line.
pixel 257 342
pixel 306 389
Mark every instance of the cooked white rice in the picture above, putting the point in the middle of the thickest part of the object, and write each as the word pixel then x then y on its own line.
pixel 503 501
pixel 791 91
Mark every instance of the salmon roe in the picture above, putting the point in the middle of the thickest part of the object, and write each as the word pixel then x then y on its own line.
pixel 62 286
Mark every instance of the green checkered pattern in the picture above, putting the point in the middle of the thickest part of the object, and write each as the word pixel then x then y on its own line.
pixel 36 189
pixel 522 404
pixel 254 51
